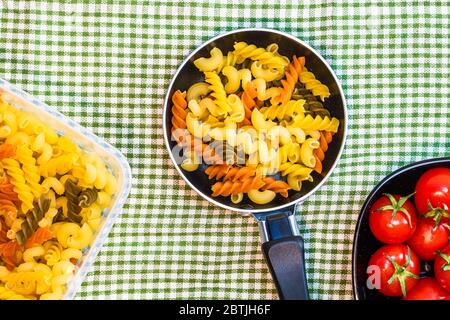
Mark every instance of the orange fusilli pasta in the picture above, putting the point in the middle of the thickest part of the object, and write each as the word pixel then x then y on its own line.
pixel 179 112
pixel 319 153
pixel 7 190
pixel 292 74
pixel 248 99
pixel 8 207
pixel 228 188
pixel 228 172
pixel 201 149
pixel 7 151
pixel 217 171
pixel 277 186
pixel 39 237
pixel 3 232
pixel 11 253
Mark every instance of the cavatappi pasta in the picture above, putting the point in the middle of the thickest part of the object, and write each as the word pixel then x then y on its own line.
pixel 256 125
pixel 52 195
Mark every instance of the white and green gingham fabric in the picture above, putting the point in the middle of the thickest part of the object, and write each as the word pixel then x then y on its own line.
pixel 107 65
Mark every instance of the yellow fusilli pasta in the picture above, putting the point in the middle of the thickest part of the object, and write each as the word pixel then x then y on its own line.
pixel 17 177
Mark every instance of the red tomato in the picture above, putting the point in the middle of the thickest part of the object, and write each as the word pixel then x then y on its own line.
pixel 426 240
pixel 392 219
pixel 398 269
pixel 442 268
pixel 432 196
pixel 427 289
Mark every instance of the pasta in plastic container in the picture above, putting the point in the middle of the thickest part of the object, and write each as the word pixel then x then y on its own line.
pixel 114 165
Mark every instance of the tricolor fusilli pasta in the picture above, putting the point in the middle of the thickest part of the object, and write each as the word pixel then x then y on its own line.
pixel 46 181
pixel 257 110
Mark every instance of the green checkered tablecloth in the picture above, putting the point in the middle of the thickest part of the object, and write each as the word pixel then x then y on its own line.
pixel 107 65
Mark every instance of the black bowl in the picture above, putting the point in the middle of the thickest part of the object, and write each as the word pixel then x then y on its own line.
pixel 401 181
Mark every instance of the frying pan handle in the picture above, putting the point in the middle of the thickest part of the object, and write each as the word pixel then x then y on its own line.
pixel 283 250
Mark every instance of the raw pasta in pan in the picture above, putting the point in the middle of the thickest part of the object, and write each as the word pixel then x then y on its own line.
pixel 263 109
pixel 52 194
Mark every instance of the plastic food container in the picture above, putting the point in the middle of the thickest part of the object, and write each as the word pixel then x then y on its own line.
pixel 86 140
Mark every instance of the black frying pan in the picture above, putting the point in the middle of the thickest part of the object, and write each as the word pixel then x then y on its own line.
pixel 282 244
pixel 401 181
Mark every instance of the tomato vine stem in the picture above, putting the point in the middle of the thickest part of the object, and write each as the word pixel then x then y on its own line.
pixel 401 273
pixel 396 206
